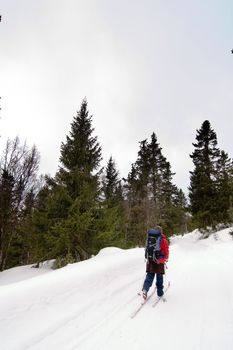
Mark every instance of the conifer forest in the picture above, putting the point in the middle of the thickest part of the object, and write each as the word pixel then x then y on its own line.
pixel 87 206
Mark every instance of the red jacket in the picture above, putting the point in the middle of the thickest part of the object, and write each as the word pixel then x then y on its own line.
pixel 164 250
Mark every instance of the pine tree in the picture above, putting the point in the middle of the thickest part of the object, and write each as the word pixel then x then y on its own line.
pixel 138 195
pixel 81 150
pixel 111 181
pixel 72 205
pixel 224 168
pixel 42 220
pixel 156 165
pixel 111 213
pixel 203 192
pixel 164 195
pixel 134 213
pixel 230 210
pixel 151 195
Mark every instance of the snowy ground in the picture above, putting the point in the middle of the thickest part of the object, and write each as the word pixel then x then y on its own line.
pixel 87 306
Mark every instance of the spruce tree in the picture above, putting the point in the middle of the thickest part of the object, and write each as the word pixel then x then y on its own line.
pixel 42 220
pixel 151 194
pixel 80 154
pixel 138 181
pixel 81 150
pixel 72 204
pixel 111 213
pixel 165 209
pixel 111 181
pixel 156 164
pixel 134 213
pixel 203 192
pixel 224 172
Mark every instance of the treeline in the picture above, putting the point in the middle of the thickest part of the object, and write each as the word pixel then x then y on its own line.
pixel 86 207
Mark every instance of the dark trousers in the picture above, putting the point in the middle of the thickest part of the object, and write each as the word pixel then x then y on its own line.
pixel 149 280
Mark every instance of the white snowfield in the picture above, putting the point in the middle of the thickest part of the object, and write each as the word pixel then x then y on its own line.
pixel 87 305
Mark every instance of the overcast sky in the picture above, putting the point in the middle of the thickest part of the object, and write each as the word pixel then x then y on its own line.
pixel 144 66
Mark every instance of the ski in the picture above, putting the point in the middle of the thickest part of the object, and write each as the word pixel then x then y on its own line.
pixel 136 311
pixel 161 298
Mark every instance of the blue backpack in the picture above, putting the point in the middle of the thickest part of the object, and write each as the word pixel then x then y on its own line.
pixel 153 251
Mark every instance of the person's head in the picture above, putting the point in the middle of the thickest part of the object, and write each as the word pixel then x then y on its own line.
pixel 159 228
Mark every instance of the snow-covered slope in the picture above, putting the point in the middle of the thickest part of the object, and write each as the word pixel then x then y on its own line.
pixel 88 305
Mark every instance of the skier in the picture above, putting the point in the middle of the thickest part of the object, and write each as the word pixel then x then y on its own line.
pixel 156 252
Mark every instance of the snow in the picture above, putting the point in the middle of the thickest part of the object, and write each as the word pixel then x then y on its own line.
pixel 17 274
pixel 87 305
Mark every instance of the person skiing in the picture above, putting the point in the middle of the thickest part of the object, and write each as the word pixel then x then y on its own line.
pixel 156 253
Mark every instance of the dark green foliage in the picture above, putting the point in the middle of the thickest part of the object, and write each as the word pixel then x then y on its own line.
pixel 21 248
pixel 203 193
pixel 73 195
pixel 224 173
pixel 111 182
pixel 210 180
pixel 230 210
pixel 111 214
pixel 151 196
pixel 81 151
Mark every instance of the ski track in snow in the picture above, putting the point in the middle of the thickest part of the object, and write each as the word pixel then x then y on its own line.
pixel 87 306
